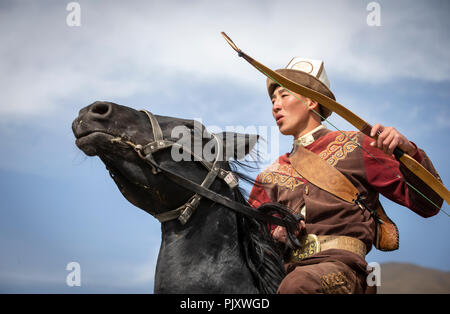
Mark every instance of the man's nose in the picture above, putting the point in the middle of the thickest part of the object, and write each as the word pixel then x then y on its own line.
pixel 276 106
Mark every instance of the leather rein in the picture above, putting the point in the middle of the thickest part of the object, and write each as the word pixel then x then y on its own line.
pixel 185 211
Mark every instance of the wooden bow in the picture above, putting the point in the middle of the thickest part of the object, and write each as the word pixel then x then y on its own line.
pixel 355 120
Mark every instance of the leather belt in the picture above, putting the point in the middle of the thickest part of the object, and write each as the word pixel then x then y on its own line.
pixel 312 244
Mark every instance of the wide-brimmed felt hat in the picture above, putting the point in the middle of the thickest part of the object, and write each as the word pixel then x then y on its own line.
pixel 307 72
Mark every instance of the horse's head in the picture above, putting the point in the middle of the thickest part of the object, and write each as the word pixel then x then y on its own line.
pixel 112 132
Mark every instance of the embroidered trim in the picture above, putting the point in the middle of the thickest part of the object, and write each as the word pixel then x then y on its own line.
pixel 282 175
pixel 281 180
pixel 340 147
pixel 335 283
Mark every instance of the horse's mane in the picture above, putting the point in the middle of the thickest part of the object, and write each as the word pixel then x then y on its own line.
pixel 262 254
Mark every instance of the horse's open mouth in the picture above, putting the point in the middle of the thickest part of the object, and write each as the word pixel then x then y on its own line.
pixel 88 142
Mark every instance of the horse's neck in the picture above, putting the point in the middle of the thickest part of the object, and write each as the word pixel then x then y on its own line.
pixel 204 256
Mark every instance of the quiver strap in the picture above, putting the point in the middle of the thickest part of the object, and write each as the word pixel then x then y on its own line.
pixel 320 173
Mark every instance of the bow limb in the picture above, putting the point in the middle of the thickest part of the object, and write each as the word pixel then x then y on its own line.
pixel 348 115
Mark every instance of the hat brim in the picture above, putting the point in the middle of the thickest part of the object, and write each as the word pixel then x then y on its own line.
pixel 304 79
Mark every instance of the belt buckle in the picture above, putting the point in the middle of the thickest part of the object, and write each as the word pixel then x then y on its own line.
pixel 309 245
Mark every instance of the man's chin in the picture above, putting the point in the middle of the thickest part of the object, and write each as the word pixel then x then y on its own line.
pixel 284 130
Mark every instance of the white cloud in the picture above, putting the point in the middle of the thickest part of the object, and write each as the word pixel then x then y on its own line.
pixel 143 47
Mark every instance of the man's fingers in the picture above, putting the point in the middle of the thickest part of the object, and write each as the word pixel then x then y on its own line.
pixel 394 143
pixel 279 234
pixel 302 224
pixel 377 127
pixel 381 137
pixel 387 142
pixel 389 138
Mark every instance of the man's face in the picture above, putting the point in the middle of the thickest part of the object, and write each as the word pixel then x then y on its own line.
pixel 290 112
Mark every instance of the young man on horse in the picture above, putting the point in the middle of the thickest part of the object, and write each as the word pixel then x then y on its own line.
pixel 337 232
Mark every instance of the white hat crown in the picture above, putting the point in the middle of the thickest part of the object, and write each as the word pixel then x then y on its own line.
pixel 311 66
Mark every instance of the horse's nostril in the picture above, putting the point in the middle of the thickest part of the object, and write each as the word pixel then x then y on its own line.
pixel 100 109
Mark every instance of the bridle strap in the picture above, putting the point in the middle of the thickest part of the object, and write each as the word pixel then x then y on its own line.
pixel 184 212
pixel 191 205
pixel 175 213
pixel 218 198
pixel 157 132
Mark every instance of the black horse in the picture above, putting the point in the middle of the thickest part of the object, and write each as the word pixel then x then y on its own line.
pixel 217 250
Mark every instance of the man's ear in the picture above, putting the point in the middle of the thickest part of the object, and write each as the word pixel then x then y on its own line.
pixel 313 105
pixel 237 145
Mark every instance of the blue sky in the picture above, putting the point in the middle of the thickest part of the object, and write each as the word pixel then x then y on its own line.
pixel 58 206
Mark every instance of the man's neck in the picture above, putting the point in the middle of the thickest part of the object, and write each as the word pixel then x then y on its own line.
pixel 310 127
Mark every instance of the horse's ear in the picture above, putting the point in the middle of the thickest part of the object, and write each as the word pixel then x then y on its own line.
pixel 237 145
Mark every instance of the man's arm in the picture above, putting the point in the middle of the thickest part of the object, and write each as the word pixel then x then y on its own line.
pixel 389 177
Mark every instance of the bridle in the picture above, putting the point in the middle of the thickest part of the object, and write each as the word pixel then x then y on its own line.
pixel 185 211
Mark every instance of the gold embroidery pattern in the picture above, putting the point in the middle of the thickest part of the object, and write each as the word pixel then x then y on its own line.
pixel 340 147
pixel 282 175
pixel 310 245
pixel 335 283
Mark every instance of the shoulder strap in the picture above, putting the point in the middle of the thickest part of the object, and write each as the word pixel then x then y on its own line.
pixel 320 173
pixel 323 175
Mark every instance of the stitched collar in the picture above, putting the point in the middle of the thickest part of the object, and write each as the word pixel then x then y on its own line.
pixel 308 138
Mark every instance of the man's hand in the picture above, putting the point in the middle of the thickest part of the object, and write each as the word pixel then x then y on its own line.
pixel 389 138
pixel 279 233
